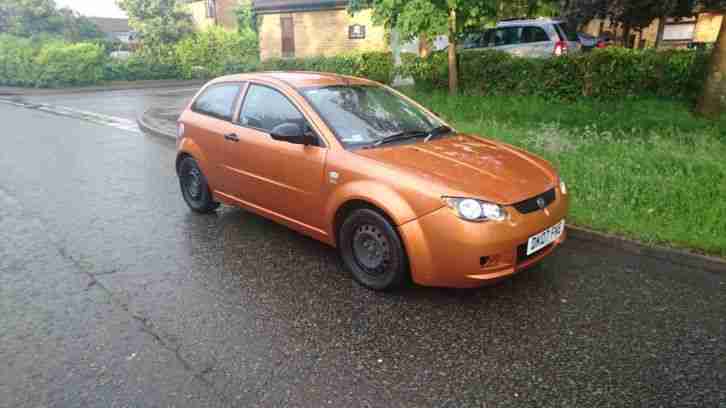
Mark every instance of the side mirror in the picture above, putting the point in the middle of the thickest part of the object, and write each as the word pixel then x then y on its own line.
pixel 292 133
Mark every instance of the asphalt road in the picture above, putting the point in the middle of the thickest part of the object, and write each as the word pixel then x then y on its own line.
pixel 112 293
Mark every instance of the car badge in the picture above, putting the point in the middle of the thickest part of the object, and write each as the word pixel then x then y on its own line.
pixel 541 203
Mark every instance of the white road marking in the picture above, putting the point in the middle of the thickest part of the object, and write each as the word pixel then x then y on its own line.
pixel 94 117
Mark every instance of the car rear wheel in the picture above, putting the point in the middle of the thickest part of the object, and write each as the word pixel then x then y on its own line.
pixel 372 251
pixel 194 187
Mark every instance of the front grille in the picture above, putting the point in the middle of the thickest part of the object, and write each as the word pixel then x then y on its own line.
pixel 522 253
pixel 530 205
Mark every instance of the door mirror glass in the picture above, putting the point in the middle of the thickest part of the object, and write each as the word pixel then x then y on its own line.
pixel 292 133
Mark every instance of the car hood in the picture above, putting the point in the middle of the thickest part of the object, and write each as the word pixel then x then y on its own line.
pixel 464 165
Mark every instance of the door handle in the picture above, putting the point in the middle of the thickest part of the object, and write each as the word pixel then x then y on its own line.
pixel 232 137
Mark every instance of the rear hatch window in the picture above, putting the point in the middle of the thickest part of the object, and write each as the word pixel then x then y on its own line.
pixel 565 33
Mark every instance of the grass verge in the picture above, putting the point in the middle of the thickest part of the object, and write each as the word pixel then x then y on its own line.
pixel 645 169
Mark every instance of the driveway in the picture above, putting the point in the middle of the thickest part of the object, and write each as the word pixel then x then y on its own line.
pixel 114 294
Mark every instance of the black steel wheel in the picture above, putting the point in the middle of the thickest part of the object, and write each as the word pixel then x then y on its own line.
pixel 372 251
pixel 194 187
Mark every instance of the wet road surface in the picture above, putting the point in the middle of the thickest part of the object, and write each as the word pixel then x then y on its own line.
pixel 112 293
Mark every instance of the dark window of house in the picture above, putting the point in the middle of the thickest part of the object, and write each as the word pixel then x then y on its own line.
pixel 288 36
pixel 211 8
pixel 265 108
pixel 534 34
pixel 217 101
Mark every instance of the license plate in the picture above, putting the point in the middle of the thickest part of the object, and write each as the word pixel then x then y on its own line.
pixel 544 238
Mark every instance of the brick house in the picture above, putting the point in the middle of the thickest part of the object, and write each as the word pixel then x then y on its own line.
pixel 115 29
pixel 206 13
pixel 702 28
pixel 306 28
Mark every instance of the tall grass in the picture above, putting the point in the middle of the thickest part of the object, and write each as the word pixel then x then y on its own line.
pixel 646 169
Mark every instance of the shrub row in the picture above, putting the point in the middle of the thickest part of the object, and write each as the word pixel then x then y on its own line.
pixel 602 74
pixel 206 54
pixel 609 73
pixel 49 64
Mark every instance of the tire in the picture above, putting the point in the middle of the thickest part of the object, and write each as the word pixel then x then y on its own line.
pixel 194 187
pixel 372 251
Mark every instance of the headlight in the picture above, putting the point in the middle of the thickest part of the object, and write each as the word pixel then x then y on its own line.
pixel 563 187
pixel 475 210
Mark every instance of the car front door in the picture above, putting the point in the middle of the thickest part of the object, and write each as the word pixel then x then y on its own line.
pixel 276 177
pixel 214 111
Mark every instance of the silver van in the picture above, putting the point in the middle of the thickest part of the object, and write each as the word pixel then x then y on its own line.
pixel 541 38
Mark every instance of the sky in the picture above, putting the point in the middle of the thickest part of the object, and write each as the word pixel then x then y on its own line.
pixel 93 8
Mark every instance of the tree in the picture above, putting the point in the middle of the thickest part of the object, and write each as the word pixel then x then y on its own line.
pixel 76 28
pixel 712 102
pixel 26 18
pixel 158 21
pixel 430 17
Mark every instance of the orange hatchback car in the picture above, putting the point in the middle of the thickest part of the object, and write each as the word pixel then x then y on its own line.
pixel 359 166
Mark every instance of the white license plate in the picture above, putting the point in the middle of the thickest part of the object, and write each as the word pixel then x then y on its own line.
pixel 544 238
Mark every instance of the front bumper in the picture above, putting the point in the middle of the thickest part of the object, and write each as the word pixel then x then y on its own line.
pixel 447 251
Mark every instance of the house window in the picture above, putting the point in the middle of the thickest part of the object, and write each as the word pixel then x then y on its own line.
pixel 287 28
pixel 211 9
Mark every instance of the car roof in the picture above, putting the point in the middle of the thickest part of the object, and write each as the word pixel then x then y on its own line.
pixel 537 21
pixel 298 79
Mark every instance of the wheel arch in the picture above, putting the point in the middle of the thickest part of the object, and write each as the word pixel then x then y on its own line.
pixel 366 195
pixel 188 148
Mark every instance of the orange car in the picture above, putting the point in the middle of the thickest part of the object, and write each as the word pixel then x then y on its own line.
pixel 359 166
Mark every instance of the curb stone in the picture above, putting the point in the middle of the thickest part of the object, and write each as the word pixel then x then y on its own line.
pixel 125 86
pixel 146 126
pixel 670 255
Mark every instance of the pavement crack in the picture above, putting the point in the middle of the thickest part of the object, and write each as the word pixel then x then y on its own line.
pixel 147 326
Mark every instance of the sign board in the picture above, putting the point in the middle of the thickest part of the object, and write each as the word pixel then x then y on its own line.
pixel 679 32
pixel 357 32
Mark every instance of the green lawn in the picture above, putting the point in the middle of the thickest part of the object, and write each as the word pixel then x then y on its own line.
pixel 645 168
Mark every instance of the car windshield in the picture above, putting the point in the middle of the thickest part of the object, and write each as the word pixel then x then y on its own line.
pixel 364 115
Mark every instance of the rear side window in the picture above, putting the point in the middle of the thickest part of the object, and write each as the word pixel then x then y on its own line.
pixel 566 34
pixel 217 101
pixel 265 108
pixel 534 34
pixel 508 36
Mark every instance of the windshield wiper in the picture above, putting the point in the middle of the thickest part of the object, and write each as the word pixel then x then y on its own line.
pixel 437 131
pixel 409 134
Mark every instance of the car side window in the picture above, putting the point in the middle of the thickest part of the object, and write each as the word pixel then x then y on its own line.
pixel 217 101
pixel 265 108
pixel 508 36
pixel 534 34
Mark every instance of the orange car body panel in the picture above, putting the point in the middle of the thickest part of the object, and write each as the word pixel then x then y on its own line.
pixel 304 187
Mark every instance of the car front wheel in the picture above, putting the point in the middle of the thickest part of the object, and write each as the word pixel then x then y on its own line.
pixel 372 251
pixel 194 187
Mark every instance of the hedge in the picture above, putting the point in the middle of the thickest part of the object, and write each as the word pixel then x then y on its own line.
pixel 601 74
pixel 215 52
pixel 377 66
pixel 609 73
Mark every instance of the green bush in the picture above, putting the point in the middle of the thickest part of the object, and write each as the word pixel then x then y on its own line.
pixel 377 66
pixel 50 62
pixel 601 74
pixel 61 64
pixel 16 61
pixel 215 52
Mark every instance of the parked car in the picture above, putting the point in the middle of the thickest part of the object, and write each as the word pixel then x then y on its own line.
pixel 604 41
pixel 587 41
pixel 361 167
pixel 527 38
